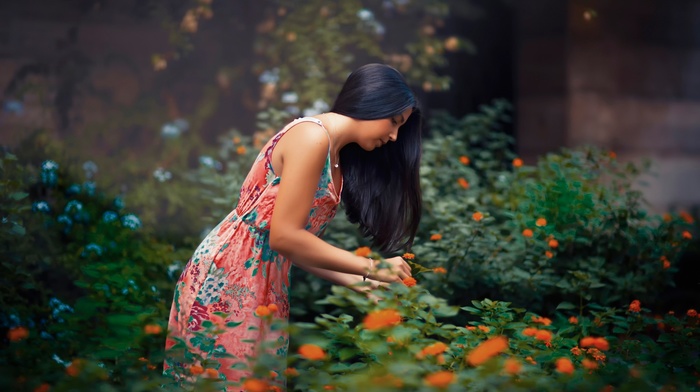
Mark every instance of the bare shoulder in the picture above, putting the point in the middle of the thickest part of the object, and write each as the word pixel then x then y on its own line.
pixel 306 143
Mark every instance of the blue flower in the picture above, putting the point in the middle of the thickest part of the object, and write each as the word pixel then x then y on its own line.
pixel 109 216
pixel 90 169
pixel 168 130
pixel 92 248
pixel 162 175
pixel 13 106
pixel 207 161
pixel 73 190
pixel 270 76
pixel 118 203
pixel 89 187
pixel 365 15
pixel 48 172
pixel 64 220
pixel 49 165
pixel 41 206
pixel 131 221
pixel 73 207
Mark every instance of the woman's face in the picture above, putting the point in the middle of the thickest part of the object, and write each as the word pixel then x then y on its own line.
pixel 376 133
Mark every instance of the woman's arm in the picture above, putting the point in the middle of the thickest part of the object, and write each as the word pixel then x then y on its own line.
pixel 347 280
pixel 299 159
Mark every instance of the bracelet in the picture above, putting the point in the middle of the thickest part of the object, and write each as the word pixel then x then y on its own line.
pixel 371 265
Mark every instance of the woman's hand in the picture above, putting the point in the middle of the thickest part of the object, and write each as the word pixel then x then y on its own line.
pixel 397 271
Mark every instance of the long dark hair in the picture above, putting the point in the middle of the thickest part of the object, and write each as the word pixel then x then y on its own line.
pixel 381 188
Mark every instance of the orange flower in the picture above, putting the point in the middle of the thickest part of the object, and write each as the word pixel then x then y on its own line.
pixel 18 333
pixel 635 306
pixel 588 364
pixel 452 44
pixel 436 237
pixel 527 233
pixel 686 217
pixel 43 388
pixel 576 351
pixel 512 366
pixel 291 372
pixel 487 349
pixel 329 387
pixel 382 318
pixel 573 320
pixel 439 270
pixel 596 354
pixel 441 379
pixel 434 349
pixel 255 385
pixel 153 329
pixel 464 160
pixel 213 373
pixel 564 365
pixel 530 360
pixel 484 328
pixel 687 235
pixel 240 150
pixel 601 344
pixel 667 263
pixel 529 331
pixel 542 320
pixel 477 216
pixel 553 243
pixel 543 335
pixel 548 254
pixel 517 162
pixel 463 183
pixel 262 311
pixel 409 256
pixel 74 368
pixel 692 313
pixel 409 281
pixel 272 307
pixel 612 154
pixel 363 251
pixel 196 369
pixel 236 140
pixel 541 222
pixel 470 328
pixel 588 341
pixel 312 352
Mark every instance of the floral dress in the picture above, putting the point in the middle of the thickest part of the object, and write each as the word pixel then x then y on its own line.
pixel 234 271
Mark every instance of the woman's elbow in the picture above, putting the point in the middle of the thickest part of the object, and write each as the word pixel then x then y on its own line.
pixel 280 241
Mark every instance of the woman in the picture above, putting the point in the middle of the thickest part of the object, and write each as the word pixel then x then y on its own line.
pixel 367 149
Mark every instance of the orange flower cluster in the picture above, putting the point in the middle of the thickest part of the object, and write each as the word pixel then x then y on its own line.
pixel 363 251
pixel 484 328
pixel 517 162
pixel 436 237
pixel 213 373
pixel 463 183
pixel 692 313
pixel 381 319
pixel 527 233
pixel 573 320
pixel 597 342
pixel 667 263
pixel 588 364
pixel 486 350
pixel 409 281
pixel 512 366
pixel 635 306
pixel 408 256
pixel 542 320
pixel 439 270
pixel 441 379
pixel 43 388
pixel 541 222
pixel 477 216
pixel 75 367
pixel 18 333
pixel 687 236
pixel 596 354
pixel 291 372
pixel 548 254
pixel 256 385
pixel 264 311
pixel 312 352
pixel 686 217
pixel 434 349
pixel 530 360
pixel 241 150
pixel 564 365
pixel 576 351
pixel 196 370
pixel 152 329
pixel 553 243
pixel 388 380
pixel 464 160
pixel 529 331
